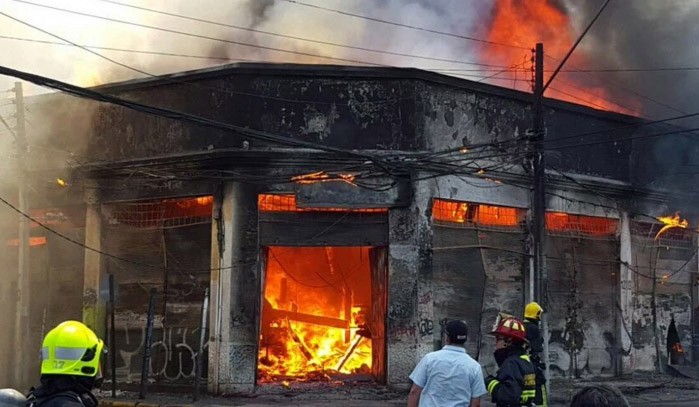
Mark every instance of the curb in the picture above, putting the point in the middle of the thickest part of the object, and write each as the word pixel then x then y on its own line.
pixel 126 403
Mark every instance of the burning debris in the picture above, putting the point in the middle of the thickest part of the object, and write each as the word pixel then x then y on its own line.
pixel 315 319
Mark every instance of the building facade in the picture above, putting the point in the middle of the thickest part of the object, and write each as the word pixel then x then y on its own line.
pixel 397 199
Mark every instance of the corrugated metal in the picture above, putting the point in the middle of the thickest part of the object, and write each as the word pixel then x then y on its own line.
pixel 583 286
pixel 181 257
pixel 323 229
pixel 458 280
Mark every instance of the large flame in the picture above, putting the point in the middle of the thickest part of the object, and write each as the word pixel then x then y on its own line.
pixel 670 222
pixel 525 23
pixel 317 301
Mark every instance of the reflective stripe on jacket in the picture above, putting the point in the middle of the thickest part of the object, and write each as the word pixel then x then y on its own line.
pixel 515 383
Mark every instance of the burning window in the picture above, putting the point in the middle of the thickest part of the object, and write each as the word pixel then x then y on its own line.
pixel 287 203
pixel 163 213
pixel 580 224
pixel 318 314
pixel 660 234
pixel 33 241
pixel 475 214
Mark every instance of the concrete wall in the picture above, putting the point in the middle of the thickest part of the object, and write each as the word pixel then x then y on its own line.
pixel 673 264
pixel 410 309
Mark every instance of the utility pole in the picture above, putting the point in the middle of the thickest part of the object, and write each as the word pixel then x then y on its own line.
pixel 23 288
pixel 538 228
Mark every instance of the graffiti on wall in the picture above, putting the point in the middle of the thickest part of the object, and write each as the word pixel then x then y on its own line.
pixel 173 352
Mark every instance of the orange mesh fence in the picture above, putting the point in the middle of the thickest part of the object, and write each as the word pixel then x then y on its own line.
pixel 456 212
pixel 559 222
pixel 163 213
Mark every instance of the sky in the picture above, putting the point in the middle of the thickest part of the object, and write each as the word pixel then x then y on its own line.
pixel 630 34
pixel 80 67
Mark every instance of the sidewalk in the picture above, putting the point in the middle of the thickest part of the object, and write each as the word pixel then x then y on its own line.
pixel 644 389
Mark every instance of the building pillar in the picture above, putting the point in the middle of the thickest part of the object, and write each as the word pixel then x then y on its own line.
pixel 410 325
pixel 626 288
pixel 235 290
pixel 94 305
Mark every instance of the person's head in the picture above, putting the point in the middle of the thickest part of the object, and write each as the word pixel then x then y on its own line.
pixel 12 398
pixel 456 332
pixel 598 396
pixel 533 311
pixel 72 349
pixel 509 332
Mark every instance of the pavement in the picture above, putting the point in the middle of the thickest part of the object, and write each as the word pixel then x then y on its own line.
pixel 640 390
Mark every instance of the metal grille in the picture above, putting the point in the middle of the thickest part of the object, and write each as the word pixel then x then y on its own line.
pixel 287 203
pixel 166 213
pixel 465 214
pixel 649 234
pixel 564 224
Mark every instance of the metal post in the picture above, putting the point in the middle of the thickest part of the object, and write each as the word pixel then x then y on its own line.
pixel 539 203
pixel 148 343
pixel 23 284
pixel 112 334
pixel 202 343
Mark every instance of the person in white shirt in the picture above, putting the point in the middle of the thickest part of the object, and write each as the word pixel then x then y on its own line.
pixel 448 377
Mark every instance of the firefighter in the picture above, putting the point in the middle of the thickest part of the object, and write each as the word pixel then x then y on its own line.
pixel 532 316
pixel 70 367
pixel 515 381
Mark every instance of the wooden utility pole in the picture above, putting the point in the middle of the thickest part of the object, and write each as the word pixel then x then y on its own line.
pixel 539 200
pixel 23 288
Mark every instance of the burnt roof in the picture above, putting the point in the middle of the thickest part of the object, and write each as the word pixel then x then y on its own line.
pixel 349 71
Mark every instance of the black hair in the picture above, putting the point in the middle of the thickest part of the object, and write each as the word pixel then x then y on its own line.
pixel 599 396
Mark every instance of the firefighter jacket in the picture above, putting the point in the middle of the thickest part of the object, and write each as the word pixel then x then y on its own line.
pixel 514 385
pixel 536 341
pixel 536 349
pixel 61 391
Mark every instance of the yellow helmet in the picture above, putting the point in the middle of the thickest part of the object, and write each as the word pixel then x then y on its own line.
pixel 71 348
pixel 533 311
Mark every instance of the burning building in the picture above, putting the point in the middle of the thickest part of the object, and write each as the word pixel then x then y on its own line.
pixel 342 262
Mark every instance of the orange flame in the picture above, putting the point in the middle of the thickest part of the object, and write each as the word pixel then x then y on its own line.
pixel 671 222
pixel 33 241
pixel 525 23
pixel 322 176
pixel 315 314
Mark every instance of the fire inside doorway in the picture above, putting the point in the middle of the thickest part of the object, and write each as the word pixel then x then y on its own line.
pixel 323 314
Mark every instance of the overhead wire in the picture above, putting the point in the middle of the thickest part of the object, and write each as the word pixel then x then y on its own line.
pixel 297 38
pixel 412 27
pixel 168 78
pixel 188 34
pixel 168 113
pixel 217 39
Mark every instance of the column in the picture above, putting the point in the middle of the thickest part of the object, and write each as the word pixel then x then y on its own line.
pixel 626 292
pixel 409 278
pixel 235 290
pixel 94 306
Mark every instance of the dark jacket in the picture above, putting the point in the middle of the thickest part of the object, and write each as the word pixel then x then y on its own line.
pixel 62 391
pixel 536 341
pixel 514 385
pixel 536 349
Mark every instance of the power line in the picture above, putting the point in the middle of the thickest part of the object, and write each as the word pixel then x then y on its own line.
pixel 87 48
pixel 169 114
pixel 334 44
pixel 134 51
pixel 412 27
pixel 575 45
pixel 229 59
pixel 200 36
pixel 620 86
pixel 168 79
